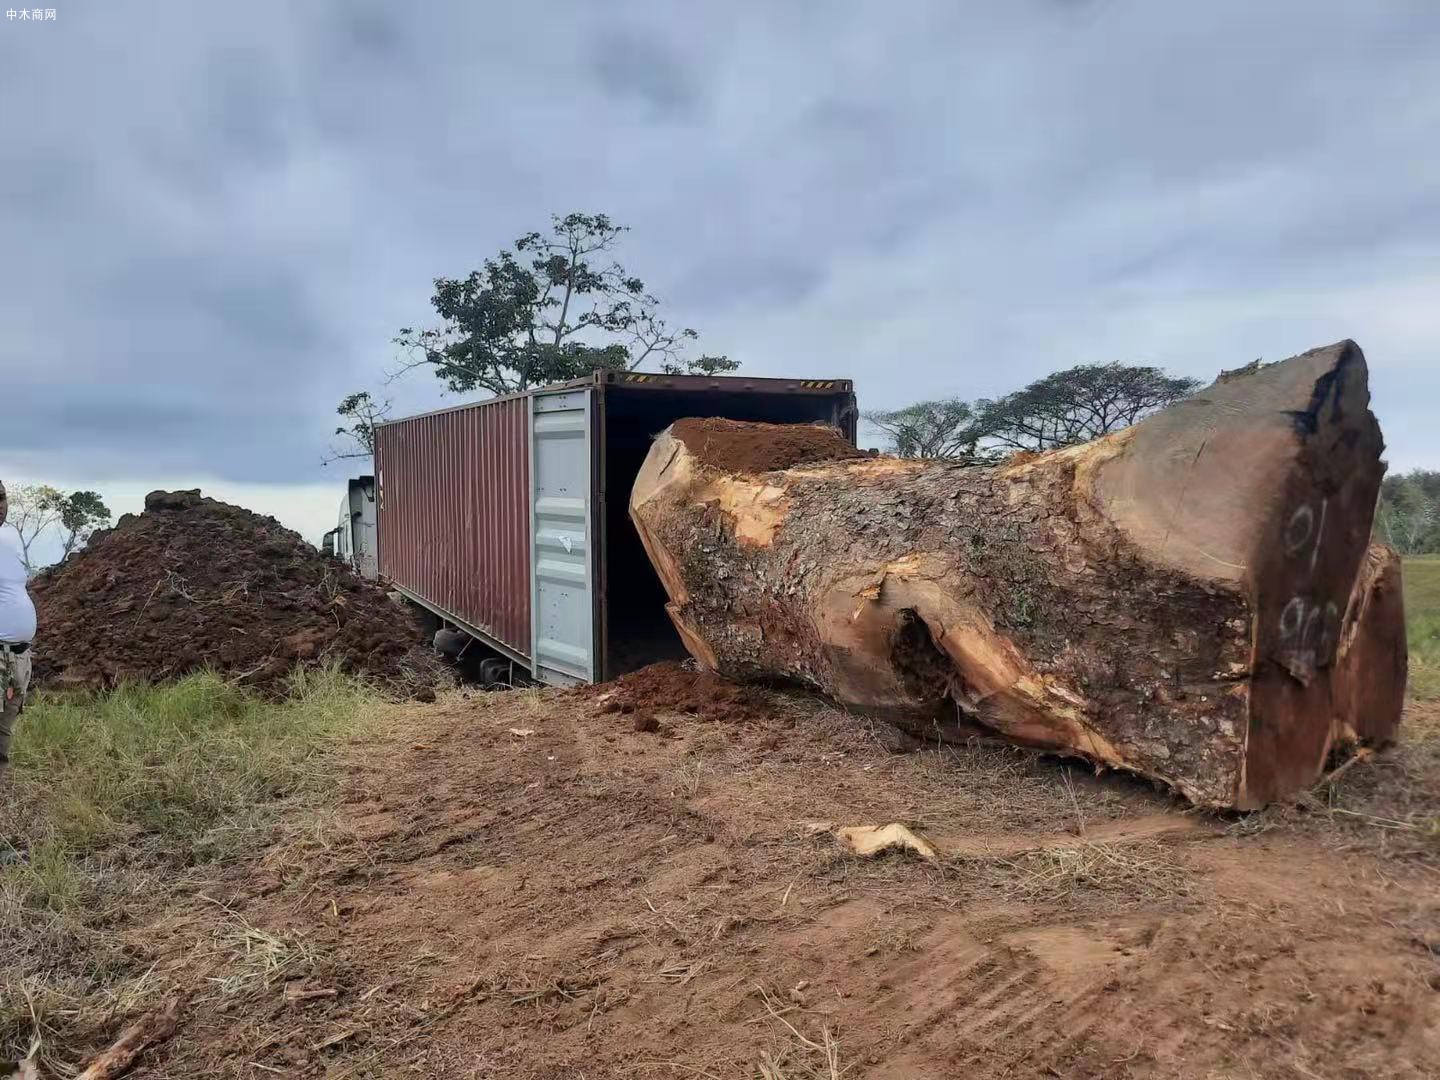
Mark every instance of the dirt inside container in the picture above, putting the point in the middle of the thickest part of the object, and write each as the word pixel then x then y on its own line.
pixel 739 447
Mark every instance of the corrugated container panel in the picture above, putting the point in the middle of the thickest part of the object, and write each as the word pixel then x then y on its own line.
pixel 454 514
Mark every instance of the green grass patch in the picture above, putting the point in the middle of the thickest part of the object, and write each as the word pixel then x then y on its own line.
pixel 179 765
pixel 1422 623
pixel 121 801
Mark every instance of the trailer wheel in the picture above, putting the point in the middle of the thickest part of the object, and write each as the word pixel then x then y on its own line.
pixel 495 671
pixel 450 642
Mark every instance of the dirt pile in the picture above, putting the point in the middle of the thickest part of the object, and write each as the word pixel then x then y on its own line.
pixel 738 447
pixel 671 687
pixel 194 583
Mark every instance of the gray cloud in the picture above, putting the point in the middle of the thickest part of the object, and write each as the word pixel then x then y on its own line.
pixel 215 218
pixel 634 64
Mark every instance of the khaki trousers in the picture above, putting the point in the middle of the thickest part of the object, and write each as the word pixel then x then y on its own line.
pixel 14 684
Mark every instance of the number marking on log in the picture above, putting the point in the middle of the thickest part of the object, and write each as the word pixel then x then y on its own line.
pixel 1302 524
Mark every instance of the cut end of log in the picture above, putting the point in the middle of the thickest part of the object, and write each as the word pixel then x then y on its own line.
pixel 1195 484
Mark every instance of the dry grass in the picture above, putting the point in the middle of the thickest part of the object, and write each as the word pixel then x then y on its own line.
pixel 253 959
pixel 793 1055
pixel 1387 805
pixel 689 777
pixel 1392 800
pixel 1141 870
pixel 799 1056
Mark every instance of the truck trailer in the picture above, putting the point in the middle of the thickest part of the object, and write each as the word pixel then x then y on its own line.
pixel 355 527
pixel 508 518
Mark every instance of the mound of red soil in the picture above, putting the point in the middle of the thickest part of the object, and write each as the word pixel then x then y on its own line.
pixel 194 583
pixel 671 687
pixel 739 447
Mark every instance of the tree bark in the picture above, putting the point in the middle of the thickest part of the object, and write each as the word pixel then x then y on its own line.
pixel 1167 599
pixel 1372 656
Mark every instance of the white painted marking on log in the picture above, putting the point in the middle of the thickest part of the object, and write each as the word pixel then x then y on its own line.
pixel 1301 525
pixel 1319 533
pixel 1292 619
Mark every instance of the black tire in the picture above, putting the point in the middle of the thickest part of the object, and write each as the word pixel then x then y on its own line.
pixel 450 642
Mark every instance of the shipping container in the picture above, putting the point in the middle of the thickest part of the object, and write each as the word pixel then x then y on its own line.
pixel 509 518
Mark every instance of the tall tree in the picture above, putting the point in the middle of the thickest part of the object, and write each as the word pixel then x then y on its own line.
pixel 556 307
pixel 34 510
pixel 928 429
pixel 1075 405
pixel 37 509
pixel 362 411
pixel 81 514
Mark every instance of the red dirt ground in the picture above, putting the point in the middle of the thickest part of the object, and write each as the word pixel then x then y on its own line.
pixel 739 447
pixel 194 583
pixel 521 886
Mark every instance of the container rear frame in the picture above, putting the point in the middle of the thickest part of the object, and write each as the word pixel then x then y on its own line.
pixel 830 401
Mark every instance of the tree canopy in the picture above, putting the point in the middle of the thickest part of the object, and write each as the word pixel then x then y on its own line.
pixel 556 307
pixel 82 513
pixel 928 429
pixel 363 411
pixel 38 509
pixel 1076 405
pixel 1070 406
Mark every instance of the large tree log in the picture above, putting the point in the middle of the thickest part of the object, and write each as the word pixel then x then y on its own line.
pixel 1372 655
pixel 1167 599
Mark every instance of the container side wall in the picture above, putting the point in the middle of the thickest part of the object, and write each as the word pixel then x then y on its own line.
pixel 453 515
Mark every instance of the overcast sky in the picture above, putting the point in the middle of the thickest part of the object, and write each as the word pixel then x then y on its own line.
pixel 214 217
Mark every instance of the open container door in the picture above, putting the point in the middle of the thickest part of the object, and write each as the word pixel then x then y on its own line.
pixel 633 628
pixel 562 646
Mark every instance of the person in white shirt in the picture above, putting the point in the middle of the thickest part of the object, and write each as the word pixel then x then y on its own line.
pixel 17 632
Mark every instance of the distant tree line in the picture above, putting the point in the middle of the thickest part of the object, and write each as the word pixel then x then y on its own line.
pixel 1068 407
pixel 1408 518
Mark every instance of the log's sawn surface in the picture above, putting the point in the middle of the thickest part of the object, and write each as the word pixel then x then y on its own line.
pixel 1167 599
pixel 1372 658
